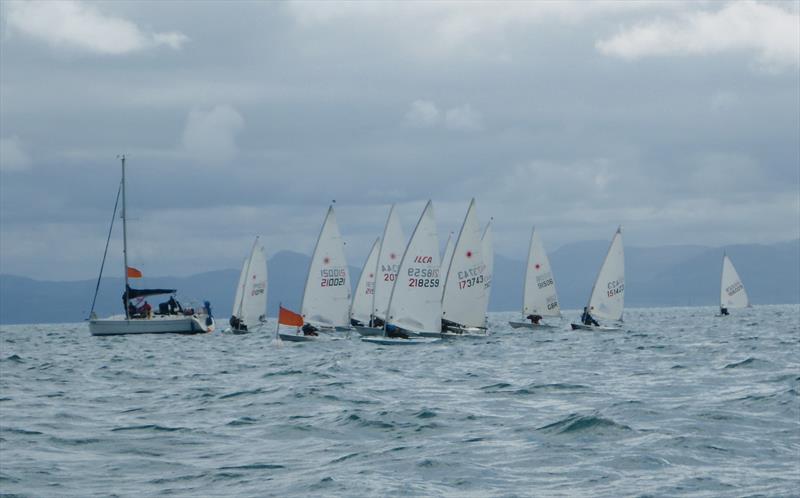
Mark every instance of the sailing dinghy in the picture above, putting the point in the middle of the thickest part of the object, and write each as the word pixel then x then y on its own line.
pixel 365 289
pixel 302 333
pixel 250 303
pixel 169 318
pixel 465 300
pixel 608 293
pixel 326 297
pixel 391 250
pixel 539 297
pixel 415 302
pixel 732 293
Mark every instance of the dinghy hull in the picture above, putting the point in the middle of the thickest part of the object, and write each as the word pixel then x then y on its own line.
pixel 529 325
pixel 368 331
pixel 298 337
pixel 392 341
pixel 602 328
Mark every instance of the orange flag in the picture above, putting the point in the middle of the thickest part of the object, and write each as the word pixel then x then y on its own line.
pixel 287 317
pixel 134 273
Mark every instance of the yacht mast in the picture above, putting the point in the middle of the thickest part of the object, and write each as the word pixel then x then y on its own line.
pixel 125 238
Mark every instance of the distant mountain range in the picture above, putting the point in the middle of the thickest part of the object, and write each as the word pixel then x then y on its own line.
pixel 658 276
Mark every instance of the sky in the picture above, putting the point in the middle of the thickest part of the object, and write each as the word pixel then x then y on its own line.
pixel 679 121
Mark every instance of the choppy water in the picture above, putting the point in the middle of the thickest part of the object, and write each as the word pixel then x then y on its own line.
pixel 680 404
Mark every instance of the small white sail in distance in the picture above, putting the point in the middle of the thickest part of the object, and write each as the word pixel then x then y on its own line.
pixel 732 293
pixel 415 303
pixel 448 254
pixel 465 301
pixel 365 289
pixel 391 250
pixel 487 244
pixel 539 296
pixel 608 293
pixel 326 298
pixel 250 305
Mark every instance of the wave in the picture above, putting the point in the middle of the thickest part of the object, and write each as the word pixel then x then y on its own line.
pixel 576 423
pixel 747 362
pixel 241 393
pixel 148 427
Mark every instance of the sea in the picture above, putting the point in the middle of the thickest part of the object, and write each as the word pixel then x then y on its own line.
pixel 678 403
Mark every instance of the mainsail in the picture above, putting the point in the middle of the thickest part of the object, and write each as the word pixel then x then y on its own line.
pixel 250 304
pixel 362 299
pixel 539 296
pixel 487 244
pixel 448 255
pixel 392 246
pixel 608 294
pixel 415 303
pixel 465 300
pixel 732 293
pixel 326 299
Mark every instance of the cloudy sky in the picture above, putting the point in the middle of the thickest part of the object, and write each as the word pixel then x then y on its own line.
pixel 678 120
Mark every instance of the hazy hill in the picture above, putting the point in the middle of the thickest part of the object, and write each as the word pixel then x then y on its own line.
pixel 659 276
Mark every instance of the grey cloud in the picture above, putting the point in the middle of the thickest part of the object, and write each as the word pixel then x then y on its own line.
pixel 677 149
pixel 13 156
pixel 210 136
pixel 82 26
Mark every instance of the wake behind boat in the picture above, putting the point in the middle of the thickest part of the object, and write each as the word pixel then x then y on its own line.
pixel 608 293
pixel 140 318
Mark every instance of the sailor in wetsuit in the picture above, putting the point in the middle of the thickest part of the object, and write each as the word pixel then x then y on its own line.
pixel 394 331
pixel 723 311
pixel 237 324
pixel 535 319
pixel 309 329
pixel 587 319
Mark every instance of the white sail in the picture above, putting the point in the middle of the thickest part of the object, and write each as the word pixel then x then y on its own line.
pixel 539 296
pixel 326 299
pixel 237 300
pixel 415 303
pixel 253 305
pixel 487 244
pixel 365 289
pixel 448 255
pixel 465 300
pixel 392 247
pixel 732 293
pixel 608 294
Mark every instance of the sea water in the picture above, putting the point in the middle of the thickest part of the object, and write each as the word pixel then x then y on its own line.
pixel 678 403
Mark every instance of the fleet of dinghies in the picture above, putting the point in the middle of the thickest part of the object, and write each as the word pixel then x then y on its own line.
pixel 406 294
